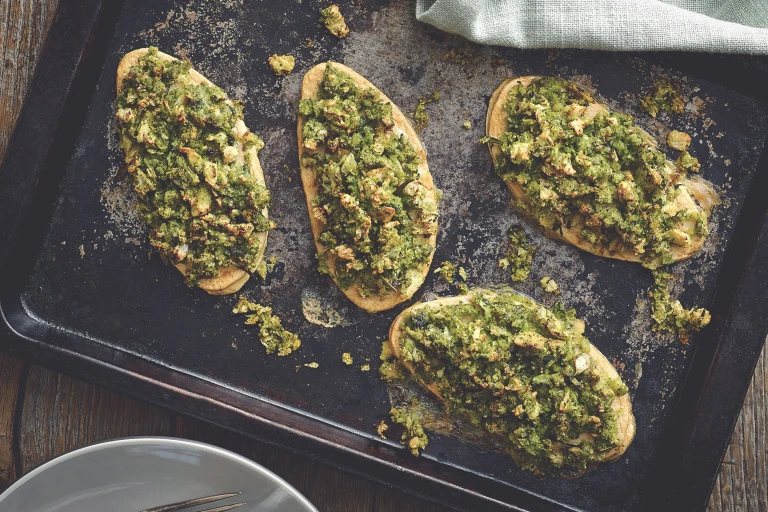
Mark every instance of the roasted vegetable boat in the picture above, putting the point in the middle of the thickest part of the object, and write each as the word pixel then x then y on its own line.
pixel 195 169
pixel 524 373
pixel 371 200
pixel 591 177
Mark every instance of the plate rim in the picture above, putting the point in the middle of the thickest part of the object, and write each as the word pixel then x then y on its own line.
pixel 162 440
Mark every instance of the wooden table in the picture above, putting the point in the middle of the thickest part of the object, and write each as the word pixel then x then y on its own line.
pixel 44 414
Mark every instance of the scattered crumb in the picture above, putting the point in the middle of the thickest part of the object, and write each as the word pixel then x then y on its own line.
pixel 346 358
pixel 708 122
pixel 665 96
pixel 282 64
pixel 549 285
pixel 234 345
pixel 670 316
pixel 272 334
pixel 467 125
pixel 687 163
pixel 678 140
pixel 266 266
pixel 308 43
pixel 81 248
pixel 465 55
pixel 308 365
pixel 365 367
pixel 413 436
pixel 381 428
pixel 446 271
pixel 697 106
pixel 420 116
pixel 496 63
pixel 334 21
pixel 519 255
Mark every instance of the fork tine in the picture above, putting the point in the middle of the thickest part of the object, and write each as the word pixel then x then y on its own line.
pixel 191 503
pixel 224 508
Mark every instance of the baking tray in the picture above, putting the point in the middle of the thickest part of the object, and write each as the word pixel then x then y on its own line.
pixel 80 294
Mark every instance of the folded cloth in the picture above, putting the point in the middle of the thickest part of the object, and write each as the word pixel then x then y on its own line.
pixel 725 26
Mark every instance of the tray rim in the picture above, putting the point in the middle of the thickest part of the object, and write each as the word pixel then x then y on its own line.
pixel 66 59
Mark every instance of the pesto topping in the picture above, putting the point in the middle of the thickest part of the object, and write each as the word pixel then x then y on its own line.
pixel 670 316
pixel 272 334
pixel 381 428
pixel 519 255
pixel 664 96
pixel 464 55
pixel 413 436
pixel 520 371
pixel 549 285
pixel 196 192
pixel 377 216
pixel 446 270
pixel 334 21
pixel 282 64
pixel 678 140
pixel 420 116
pixel 687 163
pixel 266 266
pixel 590 170
pixel 346 358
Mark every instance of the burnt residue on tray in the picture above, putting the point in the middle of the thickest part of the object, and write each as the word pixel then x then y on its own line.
pixel 95 275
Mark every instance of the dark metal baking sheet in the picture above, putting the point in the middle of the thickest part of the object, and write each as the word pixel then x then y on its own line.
pixel 83 296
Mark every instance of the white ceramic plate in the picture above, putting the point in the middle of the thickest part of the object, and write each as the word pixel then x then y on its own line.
pixel 130 475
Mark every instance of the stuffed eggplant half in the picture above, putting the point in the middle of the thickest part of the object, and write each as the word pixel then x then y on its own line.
pixel 371 200
pixel 524 373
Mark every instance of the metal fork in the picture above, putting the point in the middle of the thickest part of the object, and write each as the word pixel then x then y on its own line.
pixel 180 505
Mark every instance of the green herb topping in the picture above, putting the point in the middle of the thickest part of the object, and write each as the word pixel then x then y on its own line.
pixel 665 96
pixel 272 334
pixel 282 64
pixel 334 21
pixel 591 170
pixel 687 163
pixel 420 116
pixel 519 255
pixel 190 168
pixel 376 213
pixel 413 436
pixel 520 371
pixel 549 285
pixel 678 140
pixel 671 316
pixel 464 55
pixel 447 271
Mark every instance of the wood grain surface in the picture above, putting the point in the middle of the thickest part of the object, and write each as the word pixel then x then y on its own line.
pixel 44 414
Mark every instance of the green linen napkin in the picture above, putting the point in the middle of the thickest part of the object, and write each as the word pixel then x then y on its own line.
pixel 726 26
